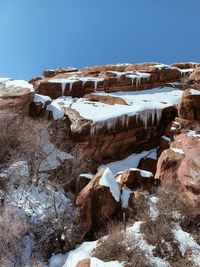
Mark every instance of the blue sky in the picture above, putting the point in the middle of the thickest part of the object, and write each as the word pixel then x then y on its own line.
pixel 41 34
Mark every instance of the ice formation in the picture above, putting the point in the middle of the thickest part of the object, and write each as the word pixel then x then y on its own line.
pixel 96 80
pixel 149 115
pixel 71 80
pixel 138 76
pixel 185 71
pixel 126 193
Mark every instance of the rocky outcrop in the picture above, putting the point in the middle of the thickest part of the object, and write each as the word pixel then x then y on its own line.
pixel 148 164
pixel 107 99
pixel 107 194
pixel 137 179
pixel 54 72
pixel 189 107
pixel 186 65
pixel 16 96
pixel 39 105
pixel 182 163
pixel 109 78
pixel 109 143
pixel 95 203
pixel 195 76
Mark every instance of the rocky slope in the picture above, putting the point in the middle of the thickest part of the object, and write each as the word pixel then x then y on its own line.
pixel 139 124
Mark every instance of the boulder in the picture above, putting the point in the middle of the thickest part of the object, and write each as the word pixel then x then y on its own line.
pixel 148 164
pixel 189 107
pixel 82 181
pixel 137 179
pixel 195 76
pixel 95 203
pixel 107 99
pixel 181 162
pixel 167 166
pixel 16 96
pixel 39 105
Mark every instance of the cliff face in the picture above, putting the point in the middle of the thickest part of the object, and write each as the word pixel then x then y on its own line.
pixel 113 109
pixel 16 95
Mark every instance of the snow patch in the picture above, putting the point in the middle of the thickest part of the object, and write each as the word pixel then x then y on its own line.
pixel 87 175
pixel 20 83
pixel 109 180
pixel 178 150
pixel 130 162
pixel 41 99
pixel 126 192
pixel 194 92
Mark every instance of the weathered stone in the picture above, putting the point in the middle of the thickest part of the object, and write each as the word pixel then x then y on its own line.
pixel 16 96
pixel 189 107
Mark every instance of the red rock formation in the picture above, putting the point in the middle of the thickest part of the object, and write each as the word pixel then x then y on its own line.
pixel 189 107
pixel 106 143
pixel 195 76
pixel 182 162
pixel 186 65
pixel 95 203
pixel 137 179
pixel 110 100
pixel 111 78
pixel 53 72
pixel 148 164
pixel 16 96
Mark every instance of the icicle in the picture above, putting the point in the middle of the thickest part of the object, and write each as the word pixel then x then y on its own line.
pixel 71 85
pixel 63 85
pixel 138 81
pixel 95 85
pixel 148 114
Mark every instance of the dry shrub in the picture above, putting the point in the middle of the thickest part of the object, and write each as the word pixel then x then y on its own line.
pixel 191 221
pixel 66 175
pixel 13 228
pixel 21 138
pixel 158 231
pixel 121 247
pixel 9 135
pixel 140 209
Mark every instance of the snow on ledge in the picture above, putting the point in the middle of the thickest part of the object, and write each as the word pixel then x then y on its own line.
pixel 88 176
pixel 143 173
pixel 187 242
pixel 178 150
pixel 131 161
pixel 41 99
pixel 109 180
pixel 194 92
pixel 19 83
pixel 193 133
pixel 126 193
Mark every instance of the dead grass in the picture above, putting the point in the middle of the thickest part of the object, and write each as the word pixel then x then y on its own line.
pixel 158 232
pixel 121 247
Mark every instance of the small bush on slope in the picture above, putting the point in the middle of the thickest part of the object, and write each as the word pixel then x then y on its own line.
pixel 121 247
pixel 191 221
pixel 57 232
pixel 158 231
pixel 9 135
pixel 13 228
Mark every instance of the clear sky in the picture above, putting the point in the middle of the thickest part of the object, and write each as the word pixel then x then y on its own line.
pixel 41 34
